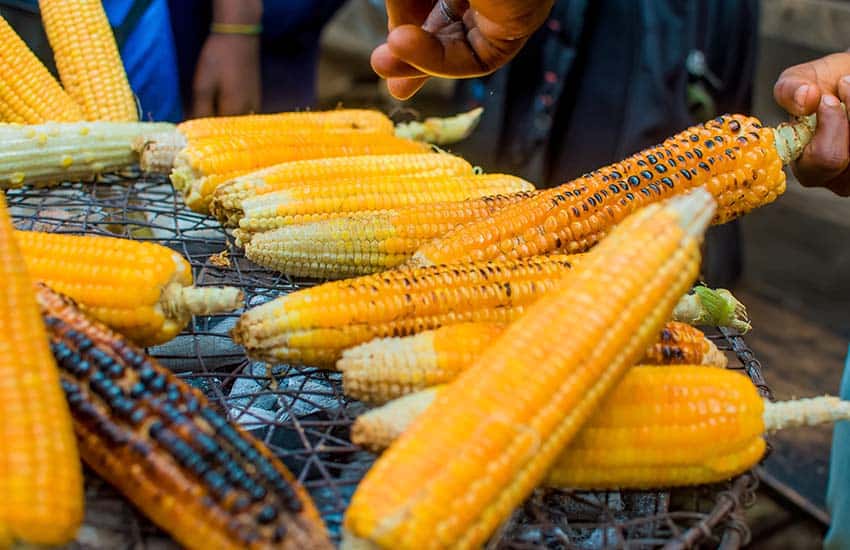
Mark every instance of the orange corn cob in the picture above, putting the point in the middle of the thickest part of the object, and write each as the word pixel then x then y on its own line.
pixel 28 92
pixel 197 475
pixel 318 201
pixel 143 290
pixel 662 426
pixel 734 157
pixel 41 484
pixel 365 242
pixel 226 203
pixel 87 59
pixel 387 368
pixel 492 435
pixel 313 326
pixel 207 163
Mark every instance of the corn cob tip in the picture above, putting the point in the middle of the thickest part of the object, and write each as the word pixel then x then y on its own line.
pixel 157 151
pixel 713 307
pixel 804 412
pixel 695 210
pixel 441 131
pixel 790 138
pixel 180 301
pixel 376 429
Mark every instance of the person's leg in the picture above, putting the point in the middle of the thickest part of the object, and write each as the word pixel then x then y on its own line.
pixel 838 492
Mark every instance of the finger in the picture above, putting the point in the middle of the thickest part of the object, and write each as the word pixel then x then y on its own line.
pixel 828 154
pixel 823 74
pixel 844 90
pixel 203 102
pixel 408 12
pixel 405 88
pixel 386 65
pixel 447 55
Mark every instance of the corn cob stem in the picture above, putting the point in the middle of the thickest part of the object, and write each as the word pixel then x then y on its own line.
pixel 441 131
pixel 790 138
pixel 805 412
pixel 200 477
pixel 496 431
pixel 180 301
pixel 712 307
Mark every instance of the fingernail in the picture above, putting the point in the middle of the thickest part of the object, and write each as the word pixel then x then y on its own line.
pixel 800 95
pixel 846 79
pixel 830 100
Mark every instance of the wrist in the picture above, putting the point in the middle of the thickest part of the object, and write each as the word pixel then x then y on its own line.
pixel 236 29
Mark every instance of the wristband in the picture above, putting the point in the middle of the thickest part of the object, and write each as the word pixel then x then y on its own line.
pixel 236 28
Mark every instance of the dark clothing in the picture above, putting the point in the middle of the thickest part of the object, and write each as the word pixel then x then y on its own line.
pixel 604 79
pixel 289 47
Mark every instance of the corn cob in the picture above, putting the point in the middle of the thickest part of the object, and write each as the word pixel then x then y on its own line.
pixel 54 152
pixel 320 201
pixel 313 326
pixel 41 483
pixel 737 160
pixel 197 475
pixel 142 290
pixel 226 203
pixel 160 150
pixel 87 59
pixel 387 368
pixel 364 242
pixel 660 427
pixel 28 92
pixel 497 430
pixel 206 163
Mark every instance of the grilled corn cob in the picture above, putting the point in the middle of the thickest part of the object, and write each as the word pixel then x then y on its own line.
pixel 142 290
pixel 660 427
pixel 364 242
pixel 497 430
pixel 41 483
pixel 738 161
pixel 226 202
pixel 28 92
pixel 320 201
pixel 87 59
pixel 313 326
pixel 54 152
pixel 197 475
pixel 387 368
pixel 206 163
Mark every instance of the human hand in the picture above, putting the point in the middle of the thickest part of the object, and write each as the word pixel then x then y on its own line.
pixel 818 87
pixel 452 38
pixel 227 78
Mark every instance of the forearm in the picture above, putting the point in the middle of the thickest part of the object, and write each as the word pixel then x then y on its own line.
pixel 241 12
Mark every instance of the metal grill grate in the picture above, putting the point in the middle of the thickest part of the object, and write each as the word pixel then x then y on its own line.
pixel 301 413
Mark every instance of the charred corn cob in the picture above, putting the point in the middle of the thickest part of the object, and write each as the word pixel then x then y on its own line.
pixel 226 202
pixel 54 152
pixel 41 483
pixel 197 475
pixel 387 368
pixel 734 157
pixel 160 150
pixel 320 201
pixel 142 290
pixel 364 242
pixel 87 59
pixel 497 430
pixel 29 94
pixel 660 427
pixel 313 326
pixel 206 163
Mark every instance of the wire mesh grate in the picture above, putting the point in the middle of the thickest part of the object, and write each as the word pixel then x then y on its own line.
pixel 302 414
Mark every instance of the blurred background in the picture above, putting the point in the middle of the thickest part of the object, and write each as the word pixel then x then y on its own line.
pixel 599 81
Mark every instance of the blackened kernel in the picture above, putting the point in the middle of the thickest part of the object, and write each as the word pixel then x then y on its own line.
pixel 641 163
pixel 668 182
pixel 671 163
pixel 131 357
pixel 137 390
pixel 646 174
pixel 279 533
pixel 241 503
pixel 645 191
pixel 694 137
pixel 192 405
pixel 654 187
pixel 718 139
pixel 630 196
pixel 616 175
pixel 614 189
pixel 741 139
pixel 698 152
pixel 634 181
pixel 660 168
pixel 711 160
pixel 96 377
pixel 267 514
pixel 730 153
pixel 704 166
pixel 680 158
pixel 687 173
pixel 708 144
pixel 591 201
pixel 689 155
pixel 147 373
pixel 624 186
pixel 155 428
pixel 116 370
pixel 137 416
pixel 598 196
pixel 651 159
pixel 216 483
pixel 258 493
pixel 157 383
